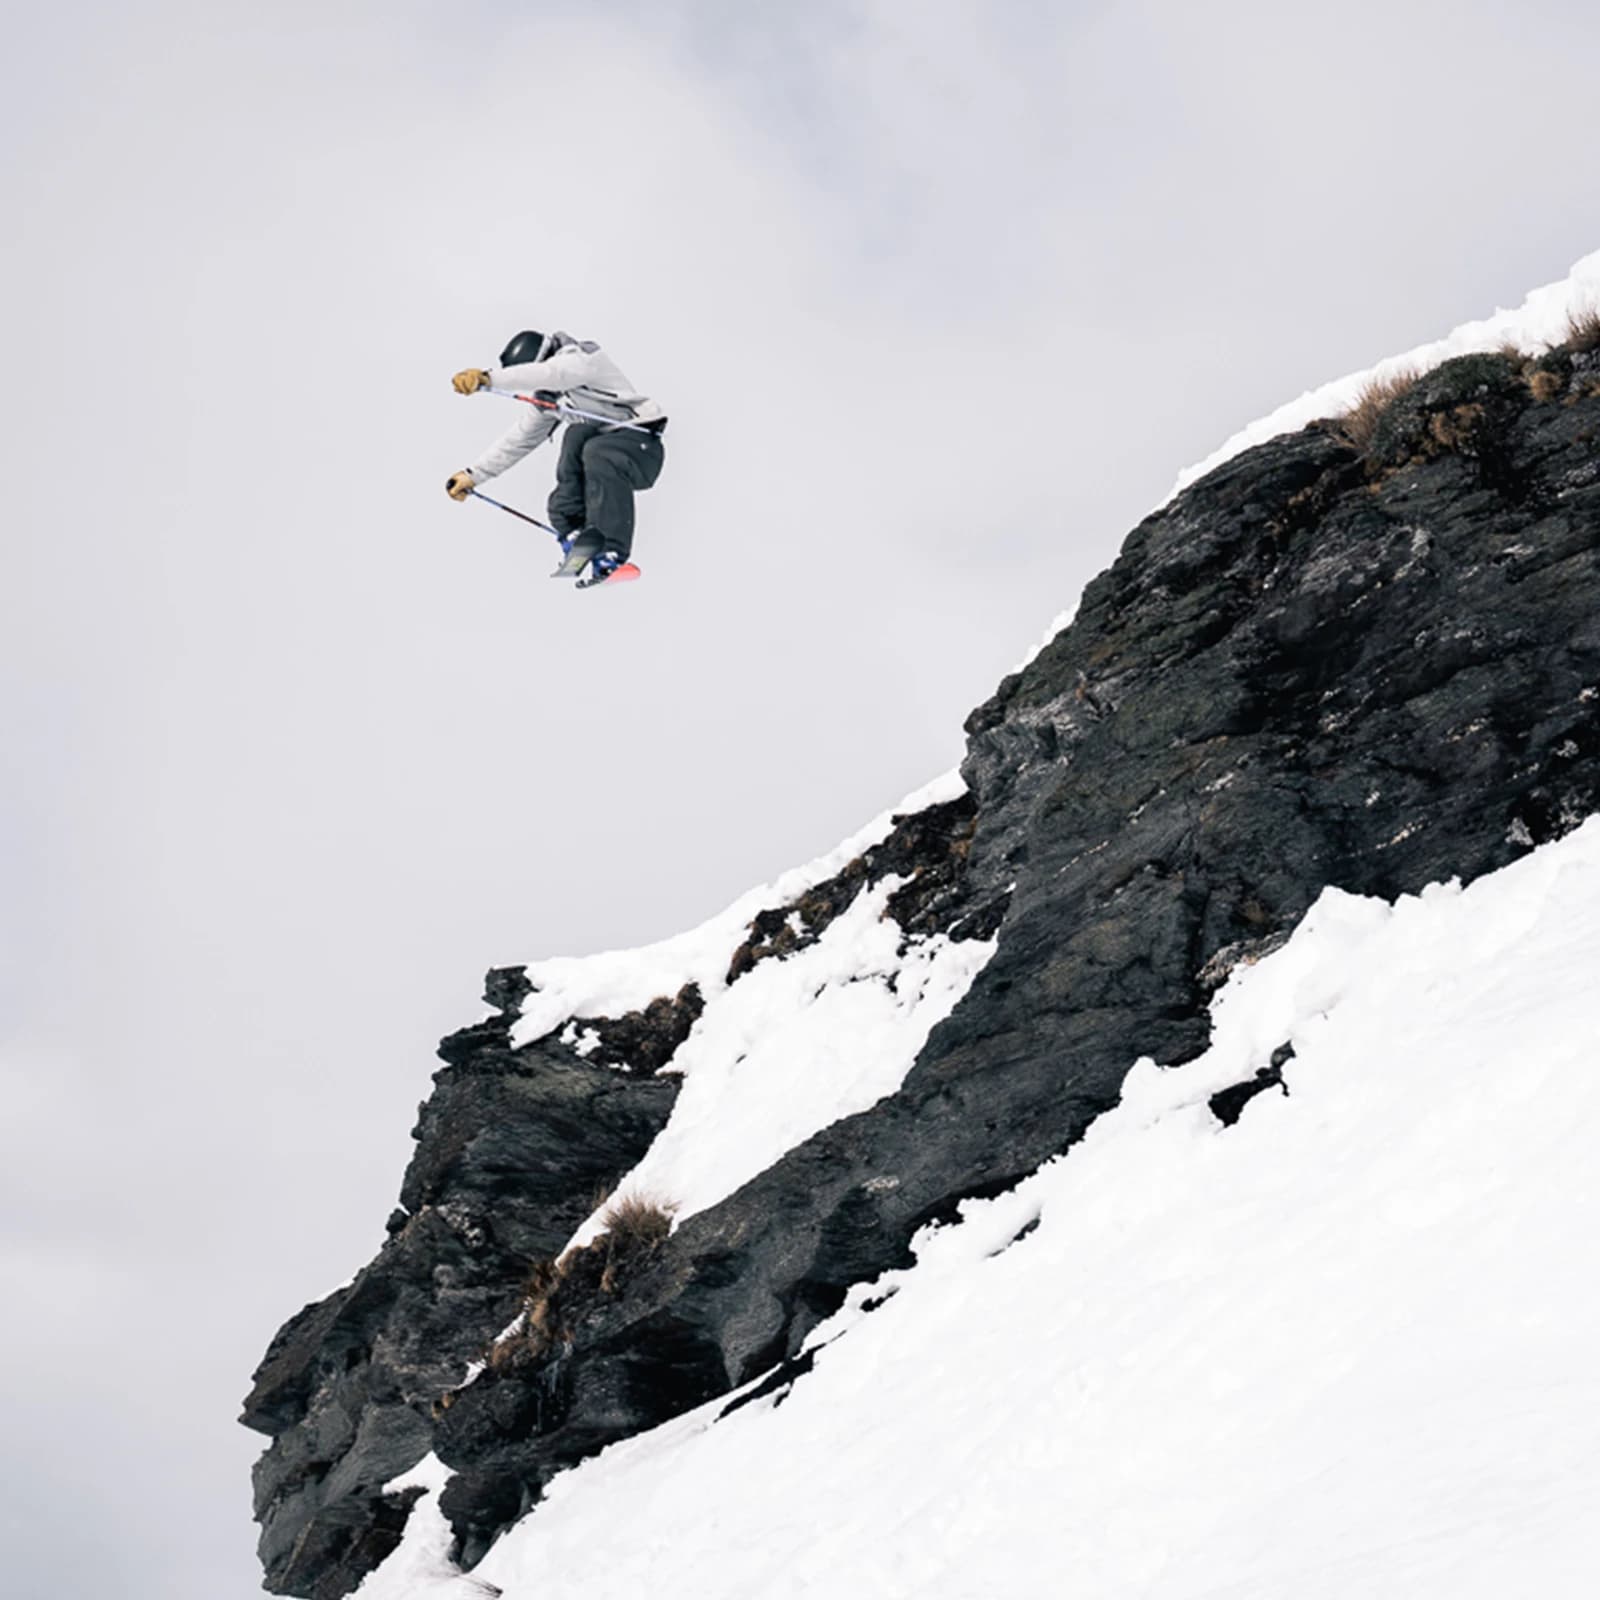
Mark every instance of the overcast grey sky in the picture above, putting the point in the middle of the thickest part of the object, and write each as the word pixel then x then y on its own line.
pixel 940 297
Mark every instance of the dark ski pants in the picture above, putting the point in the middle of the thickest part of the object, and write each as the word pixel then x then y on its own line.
pixel 596 478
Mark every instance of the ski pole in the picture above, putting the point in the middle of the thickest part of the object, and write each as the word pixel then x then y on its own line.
pixel 480 495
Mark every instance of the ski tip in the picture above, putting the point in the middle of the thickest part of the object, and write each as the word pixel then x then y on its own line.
pixel 626 573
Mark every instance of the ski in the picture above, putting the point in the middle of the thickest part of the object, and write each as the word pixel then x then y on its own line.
pixel 587 562
pixel 579 553
pixel 626 573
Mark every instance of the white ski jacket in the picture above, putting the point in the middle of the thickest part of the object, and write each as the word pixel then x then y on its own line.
pixel 583 376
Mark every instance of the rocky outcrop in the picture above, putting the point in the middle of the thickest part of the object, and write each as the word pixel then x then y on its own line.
pixel 513 1149
pixel 1319 665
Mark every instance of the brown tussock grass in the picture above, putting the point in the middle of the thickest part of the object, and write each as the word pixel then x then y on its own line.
pixel 1455 430
pixel 1544 385
pixel 638 1218
pixel 1360 422
pixel 1583 330
pixel 635 1226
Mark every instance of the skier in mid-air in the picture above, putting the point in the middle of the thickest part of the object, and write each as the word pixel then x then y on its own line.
pixel 612 445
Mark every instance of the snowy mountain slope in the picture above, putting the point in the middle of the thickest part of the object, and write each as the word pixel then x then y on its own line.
pixel 613 982
pixel 778 1053
pixel 1316 666
pixel 1341 1348
pixel 708 1055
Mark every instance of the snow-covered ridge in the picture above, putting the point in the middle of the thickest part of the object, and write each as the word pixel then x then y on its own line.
pixel 613 982
pixel 1540 320
pixel 1184 1361
pixel 792 1046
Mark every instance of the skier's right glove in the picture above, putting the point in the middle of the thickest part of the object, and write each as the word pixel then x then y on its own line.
pixel 470 380
pixel 459 484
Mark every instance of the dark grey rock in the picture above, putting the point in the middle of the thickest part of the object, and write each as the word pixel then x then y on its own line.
pixel 1227 1105
pixel 927 848
pixel 512 1150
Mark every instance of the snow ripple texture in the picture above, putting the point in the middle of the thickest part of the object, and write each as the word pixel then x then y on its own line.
pixel 1344 1348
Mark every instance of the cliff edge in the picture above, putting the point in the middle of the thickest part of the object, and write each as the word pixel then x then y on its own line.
pixel 1368 662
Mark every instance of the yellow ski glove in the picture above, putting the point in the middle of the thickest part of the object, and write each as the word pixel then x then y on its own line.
pixel 459 485
pixel 469 380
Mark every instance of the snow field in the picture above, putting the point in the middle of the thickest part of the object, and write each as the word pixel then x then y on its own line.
pixel 1344 1348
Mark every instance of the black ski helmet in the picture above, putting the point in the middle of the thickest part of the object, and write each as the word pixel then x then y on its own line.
pixel 523 347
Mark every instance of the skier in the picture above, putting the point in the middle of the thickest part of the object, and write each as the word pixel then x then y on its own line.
pixel 612 445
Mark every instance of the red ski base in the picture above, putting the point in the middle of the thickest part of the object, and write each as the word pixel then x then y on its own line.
pixel 626 573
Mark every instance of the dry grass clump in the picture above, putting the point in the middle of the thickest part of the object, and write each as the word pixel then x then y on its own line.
pixel 1544 384
pixel 638 1218
pixel 1360 422
pixel 1456 429
pixel 558 1292
pixel 635 1225
pixel 1583 330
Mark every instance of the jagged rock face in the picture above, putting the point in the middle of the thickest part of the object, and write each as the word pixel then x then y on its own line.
pixel 928 849
pixel 512 1150
pixel 1317 666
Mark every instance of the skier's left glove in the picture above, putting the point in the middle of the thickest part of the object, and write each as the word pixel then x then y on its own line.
pixel 469 380
pixel 459 484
